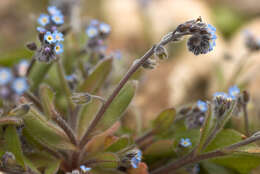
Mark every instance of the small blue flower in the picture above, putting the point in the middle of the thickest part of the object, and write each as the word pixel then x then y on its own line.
pixel 49 37
pixel 22 67
pixel 104 28
pixel 136 159
pixel 5 76
pixel 53 10
pixel 212 31
pixel 202 106
pixel 85 169
pixel 20 85
pixel 44 19
pixel 58 36
pixel 41 29
pixel 185 142
pixel 233 91
pixel 57 19
pixel 58 48
pixel 91 31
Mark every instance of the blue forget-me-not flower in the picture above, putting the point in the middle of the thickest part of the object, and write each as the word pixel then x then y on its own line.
pixel 5 76
pixel 185 142
pixel 20 85
pixel 203 107
pixel 44 19
pixel 233 91
pixel 58 48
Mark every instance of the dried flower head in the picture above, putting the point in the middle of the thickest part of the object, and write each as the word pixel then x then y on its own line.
pixel 222 103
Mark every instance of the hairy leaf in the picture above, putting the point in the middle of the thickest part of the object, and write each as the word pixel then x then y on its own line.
pixel 47 97
pixel 118 106
pixel 96 79
pixel 12 144
pixel 164 120
pixel 46 132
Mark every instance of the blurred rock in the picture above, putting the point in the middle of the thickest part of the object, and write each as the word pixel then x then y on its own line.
pixel 165 15
pixel 248 7
pixel 124 18
pixel 251 73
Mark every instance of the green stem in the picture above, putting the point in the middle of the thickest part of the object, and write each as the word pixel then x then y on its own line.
pixel 66 88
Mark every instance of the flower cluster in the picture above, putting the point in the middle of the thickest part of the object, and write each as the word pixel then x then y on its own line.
pixel 222 103
pixel 49 35
pixel 132 159
pixel 195 117
pixel 136 159
pixel 51 21
pixel 13 82
pixel 97 32
pixel 203 36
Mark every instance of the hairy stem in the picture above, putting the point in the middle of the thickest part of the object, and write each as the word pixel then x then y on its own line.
pixel 144 137
pixel 63 124
pixel 121 84
pixel 171 167
pixel 32 63
pixel 245 113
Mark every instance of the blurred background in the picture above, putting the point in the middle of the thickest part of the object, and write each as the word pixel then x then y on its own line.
pixel 136 26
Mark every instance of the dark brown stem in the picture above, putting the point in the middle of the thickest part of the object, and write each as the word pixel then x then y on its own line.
pixel 144 137
pixel 102 110
pixel 32 63
pixel 186 160
pixel 34 99
pixel 63 124
pixel 194 159
pixel 245 113
pixel 123 81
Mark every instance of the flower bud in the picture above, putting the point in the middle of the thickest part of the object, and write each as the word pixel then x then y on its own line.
pixel 81 98
pixel 131 159
pixel 149 64
pixel 222 103
pixel 20 110
pixel 161 52
pixel 31 46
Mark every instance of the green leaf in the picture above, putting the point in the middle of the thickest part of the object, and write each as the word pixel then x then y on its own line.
pixel 107 160
pixel 47 97
pixel 118 106
pixel 206 129
pixel 181 131
pixel 52 168
pixel 160 150
pixel 12 144
pixel 10 121
pixel 241 162
pixel 31 165
pixel 38 74
pixel 164 120
pixel 120 144
pixel 96 79
pixel 12 57
pixel 46 132
pixel 212 168
pixel 86 115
